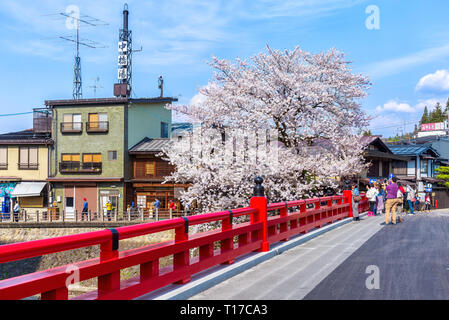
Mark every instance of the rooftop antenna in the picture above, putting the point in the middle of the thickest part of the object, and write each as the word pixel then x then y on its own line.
pixel 73 21
pixel 96 86
pixel 124 86
pixel 161 85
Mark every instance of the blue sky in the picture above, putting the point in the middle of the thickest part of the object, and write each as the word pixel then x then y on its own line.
pixel 407 58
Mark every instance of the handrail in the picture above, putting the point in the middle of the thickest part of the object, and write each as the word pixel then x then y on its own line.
pixel 255 235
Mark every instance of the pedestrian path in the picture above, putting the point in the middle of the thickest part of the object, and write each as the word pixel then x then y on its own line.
pixel 411 259
pixel 294 273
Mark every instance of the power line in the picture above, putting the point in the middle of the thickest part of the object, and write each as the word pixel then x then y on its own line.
pixel 15 114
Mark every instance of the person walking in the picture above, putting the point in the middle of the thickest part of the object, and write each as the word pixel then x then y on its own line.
pixel 400 200
pixel 16 211
pixel 411 198
pixel 371 194
pixel 108 209
pixel 380 204
pixel 418 201
pixel 355 202
pixel 85 209
pixel 428 202
pixel 392 201
pixel 157 206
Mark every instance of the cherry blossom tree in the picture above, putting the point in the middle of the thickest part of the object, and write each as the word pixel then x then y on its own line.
pixel 291 116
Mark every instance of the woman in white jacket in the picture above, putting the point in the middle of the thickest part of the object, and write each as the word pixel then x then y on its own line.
pixel 411 198
pixel 371 194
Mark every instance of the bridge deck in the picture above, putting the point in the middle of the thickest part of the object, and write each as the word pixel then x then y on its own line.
pixel 412 258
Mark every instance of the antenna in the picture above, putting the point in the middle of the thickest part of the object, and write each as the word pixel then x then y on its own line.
pixel 73 21
pixel 124 86
pixel 161 85
pixel 96 86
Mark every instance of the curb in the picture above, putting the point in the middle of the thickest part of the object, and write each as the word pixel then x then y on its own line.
pixel 213 276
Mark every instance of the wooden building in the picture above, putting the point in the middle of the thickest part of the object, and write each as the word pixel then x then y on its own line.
pixel 149 172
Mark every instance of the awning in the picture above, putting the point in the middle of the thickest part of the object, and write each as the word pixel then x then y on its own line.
pixel 28 189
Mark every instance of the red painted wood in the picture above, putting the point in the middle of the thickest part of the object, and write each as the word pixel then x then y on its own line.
pixel 255 235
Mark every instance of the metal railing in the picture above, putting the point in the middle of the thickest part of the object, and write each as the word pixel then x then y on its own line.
pixel 97 126
pixel 76 166
pixel 71 127
pixel 48 215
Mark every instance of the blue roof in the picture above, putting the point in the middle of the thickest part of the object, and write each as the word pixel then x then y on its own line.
pixel 413 149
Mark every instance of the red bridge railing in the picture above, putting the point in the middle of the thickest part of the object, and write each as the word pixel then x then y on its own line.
pixel 268 224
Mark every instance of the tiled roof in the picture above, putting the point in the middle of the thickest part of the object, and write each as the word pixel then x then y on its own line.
pixel 148 145
pixel 412 149
pixel 25 136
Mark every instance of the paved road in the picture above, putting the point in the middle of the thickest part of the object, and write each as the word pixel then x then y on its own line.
pixel 412 260
pixel 297 271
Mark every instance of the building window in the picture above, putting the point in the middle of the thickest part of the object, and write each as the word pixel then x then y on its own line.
pixel 97 122
pixel 72 157
pixel 424 166
pixel 3 158
pixel 71 123
pixel 91 160
pixel 150 169
pixel 141 201
pixel 28 158
pixel 70 162
pixel 112 155
pixel 164 130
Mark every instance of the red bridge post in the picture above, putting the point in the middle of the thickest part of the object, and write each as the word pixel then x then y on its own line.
pixel 347 195
pixel 259 202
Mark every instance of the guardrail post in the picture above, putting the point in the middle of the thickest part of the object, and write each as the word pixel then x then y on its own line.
pixel 227 244
pixel 319 215
pixel 37 216
pixel 171 213
pixel 157 214
pixel 283 227
pixel 259 202
pixel 109 250
pixel 182 259
pixel 330 212
pixel 25 215
pixel 89 215
pixel 347 195
pixel 76 215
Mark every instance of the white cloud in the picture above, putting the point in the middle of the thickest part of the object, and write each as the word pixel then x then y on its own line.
pixel 403 107
pixel 197 99
pixel 438 81
pixel 395 107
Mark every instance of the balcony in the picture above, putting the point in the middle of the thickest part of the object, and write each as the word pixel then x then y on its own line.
pixel 28 166
pixel 71 127
pixel 3 166
pixel 80 167
pixel 97 126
